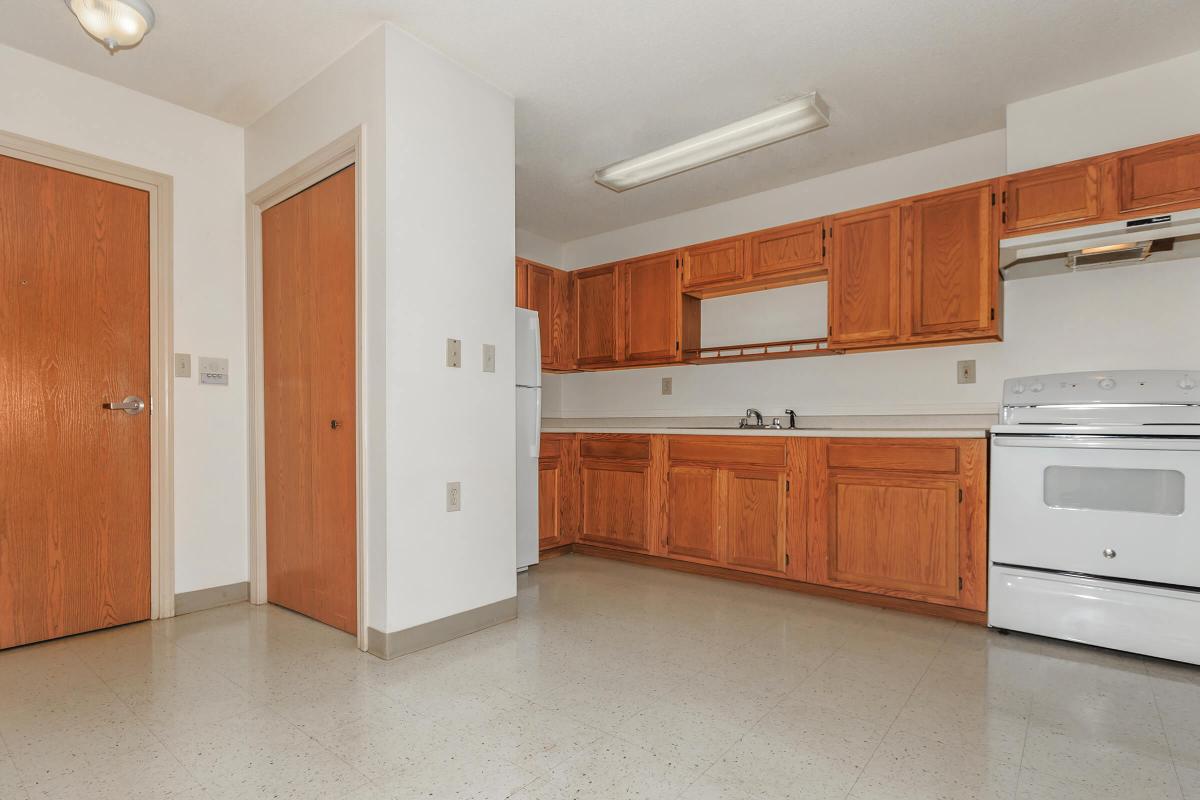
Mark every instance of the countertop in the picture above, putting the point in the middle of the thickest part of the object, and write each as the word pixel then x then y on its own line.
pixel 956 426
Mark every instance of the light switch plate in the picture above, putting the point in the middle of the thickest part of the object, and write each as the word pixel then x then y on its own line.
pixel 454 496
pixel 667 387
pixel 183 365
pixel 214 371
pixel 489 358
pixel 966 371
pixel 454 352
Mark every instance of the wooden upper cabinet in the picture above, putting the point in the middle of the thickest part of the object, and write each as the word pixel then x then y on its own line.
pixel 546 290
pixel 693 512
pixel 540 298
pixel 1159 177
pixel 1051 197
pixel 787 250
pixel 755 519
pixel 949 261
pixel 864 278
pixel 712 263
pixel 651 298
pixel 597 315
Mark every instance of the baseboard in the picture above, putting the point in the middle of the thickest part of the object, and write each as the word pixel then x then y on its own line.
pixel 410 640
pixel 213 597
pixel 849 595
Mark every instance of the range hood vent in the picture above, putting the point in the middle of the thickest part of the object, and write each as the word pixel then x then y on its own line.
pixel 1111 244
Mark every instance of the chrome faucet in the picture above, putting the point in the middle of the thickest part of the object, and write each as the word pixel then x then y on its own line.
pixel 756 415
pixel 791 418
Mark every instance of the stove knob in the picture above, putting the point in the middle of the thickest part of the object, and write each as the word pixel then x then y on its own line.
pixel 1107 383
pixel 1110 553
pixel 1036 386
pixel 1018 389
pixel 1186 383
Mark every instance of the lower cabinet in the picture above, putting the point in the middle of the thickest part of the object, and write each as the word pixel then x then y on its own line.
pixel 902 518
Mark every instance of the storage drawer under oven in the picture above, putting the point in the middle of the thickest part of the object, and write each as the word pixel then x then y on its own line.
pixel 1120 507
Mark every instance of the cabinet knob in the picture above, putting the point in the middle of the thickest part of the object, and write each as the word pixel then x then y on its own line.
pixel 334 424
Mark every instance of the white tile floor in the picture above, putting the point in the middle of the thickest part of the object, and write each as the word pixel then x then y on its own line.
pixel 616 682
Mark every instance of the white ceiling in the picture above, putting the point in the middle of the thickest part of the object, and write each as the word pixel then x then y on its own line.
pixel 597 82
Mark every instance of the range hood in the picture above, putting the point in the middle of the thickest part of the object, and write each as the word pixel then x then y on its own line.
pixel 1161 237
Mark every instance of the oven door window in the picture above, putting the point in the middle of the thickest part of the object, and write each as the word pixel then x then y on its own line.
pixel 1144 491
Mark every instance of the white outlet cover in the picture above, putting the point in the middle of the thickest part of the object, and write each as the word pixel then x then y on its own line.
pixel 454 352
pixel 668 386
pixel 489 358
pixel 183 365
pixel 454 496
pixel 966 371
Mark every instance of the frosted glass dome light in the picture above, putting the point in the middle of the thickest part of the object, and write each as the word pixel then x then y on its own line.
pixel 116 24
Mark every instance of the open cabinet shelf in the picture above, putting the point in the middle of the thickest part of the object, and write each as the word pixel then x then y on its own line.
pixel 760 351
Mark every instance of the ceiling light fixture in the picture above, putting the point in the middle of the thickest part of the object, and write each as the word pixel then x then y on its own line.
pixel 116 24
pixel 804 114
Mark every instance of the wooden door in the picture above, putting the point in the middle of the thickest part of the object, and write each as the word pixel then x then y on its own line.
pixel 1050 197
pixel 788 250
pixel 713 263
pixel 308 252
pixel 693 512
pixel 864 279
pixel 596 315
pixel 74 333
pixel 894 534
pixel 756 519
pixel 614 503
pixel 540 298
pixel 551 486
pixel 948 250
pixel 652 305
pixel 1161 177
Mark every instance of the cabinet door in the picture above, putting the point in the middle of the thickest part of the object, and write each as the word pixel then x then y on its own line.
pixel 714 262
pixel 693 523
pixel 539 297
pixel 788 250
pixel 551 485
pixel 615 501
pixel 864 280
pixel 596 315
pixel 756 519
pixel 949 254
pixel 651 299
pixel 1160 177
pixel 894 535
pixel 1051 197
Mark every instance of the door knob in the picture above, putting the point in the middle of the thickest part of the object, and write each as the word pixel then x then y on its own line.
pixel 131 405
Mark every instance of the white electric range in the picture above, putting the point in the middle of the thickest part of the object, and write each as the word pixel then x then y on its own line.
pixel 1094 521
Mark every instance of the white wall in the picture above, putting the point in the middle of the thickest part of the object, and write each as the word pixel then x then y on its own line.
pixel 348 94
pixel 51 103
pixel 1151 104
pixel 539 248
pixel 451 188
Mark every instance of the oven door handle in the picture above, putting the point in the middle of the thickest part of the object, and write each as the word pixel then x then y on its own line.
pixel 1094 442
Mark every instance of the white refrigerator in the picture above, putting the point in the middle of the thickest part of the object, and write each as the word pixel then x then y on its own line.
pixel 529 434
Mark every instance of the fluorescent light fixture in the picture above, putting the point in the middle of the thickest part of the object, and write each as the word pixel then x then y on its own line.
pixel 804 114
pixel 116 24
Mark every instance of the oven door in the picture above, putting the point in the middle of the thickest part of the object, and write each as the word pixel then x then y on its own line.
pixel 1118 507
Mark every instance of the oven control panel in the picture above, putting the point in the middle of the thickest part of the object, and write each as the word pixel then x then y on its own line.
pixel 1142 387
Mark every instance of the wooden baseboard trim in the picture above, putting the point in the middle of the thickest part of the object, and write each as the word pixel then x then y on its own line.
pixel 399 643
pixel 213 597
pixel 864 598
pixel 555 552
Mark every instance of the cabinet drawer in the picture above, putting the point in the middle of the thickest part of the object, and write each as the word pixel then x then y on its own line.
pixel 728 451
pixel 897 457
pixel 631 447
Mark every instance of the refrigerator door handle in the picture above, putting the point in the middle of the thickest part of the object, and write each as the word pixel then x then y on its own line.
pixel 536 325
pixel 535 448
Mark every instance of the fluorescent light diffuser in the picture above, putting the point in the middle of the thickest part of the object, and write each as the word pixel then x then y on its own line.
pixel 804 114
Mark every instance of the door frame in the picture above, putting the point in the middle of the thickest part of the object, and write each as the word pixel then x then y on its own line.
pixel 343 152
pixel 160 187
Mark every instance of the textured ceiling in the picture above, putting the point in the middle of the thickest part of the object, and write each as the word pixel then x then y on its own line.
pixel 598 82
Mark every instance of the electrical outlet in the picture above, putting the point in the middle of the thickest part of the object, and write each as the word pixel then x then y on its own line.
pixel 454 496
pixel 454 352
pixel 966 371
pixel 667 386
pixel 489 358
pixel 183 365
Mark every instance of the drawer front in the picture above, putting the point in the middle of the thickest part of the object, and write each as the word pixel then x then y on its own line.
pixel 895 457
pixel 630 447
pixel 728 451
pixel 552 445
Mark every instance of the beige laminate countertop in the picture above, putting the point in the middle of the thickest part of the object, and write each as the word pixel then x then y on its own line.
pixel 960 426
